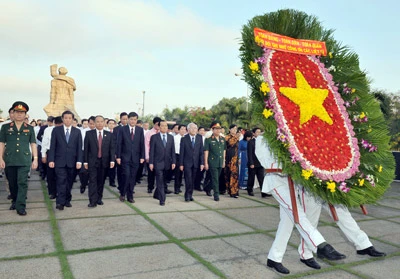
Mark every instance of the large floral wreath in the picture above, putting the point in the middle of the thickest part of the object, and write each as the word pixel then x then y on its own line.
pixel 320 121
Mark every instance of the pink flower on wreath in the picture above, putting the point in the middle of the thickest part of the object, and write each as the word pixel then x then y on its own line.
pixel 343 187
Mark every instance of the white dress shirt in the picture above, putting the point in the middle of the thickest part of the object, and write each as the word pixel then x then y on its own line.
pixel 46 140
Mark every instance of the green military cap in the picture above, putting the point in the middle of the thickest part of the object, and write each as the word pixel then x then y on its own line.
pixel 20 106
pixel 215 124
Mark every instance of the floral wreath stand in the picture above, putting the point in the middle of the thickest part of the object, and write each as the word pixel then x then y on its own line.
pixel 321 123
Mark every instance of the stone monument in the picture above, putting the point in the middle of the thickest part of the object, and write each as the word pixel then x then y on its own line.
pixel 61 94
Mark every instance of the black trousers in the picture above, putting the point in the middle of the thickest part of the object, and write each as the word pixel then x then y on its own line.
pixel 198 180
pixel 96 181
pixel 65 178
pixel 120 178
pixel 111 175
pixel 151 175
pixel 139 174
pixel 207 182
pixel 84 176
pixel 178 175
pixel 190 177
pixel 253 172
pixel 18 181
pixel 129 171
pixel 159 193
pixel 51 180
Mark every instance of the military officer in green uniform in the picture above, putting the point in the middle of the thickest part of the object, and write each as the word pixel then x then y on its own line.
pixel 214 156
pixel 15 156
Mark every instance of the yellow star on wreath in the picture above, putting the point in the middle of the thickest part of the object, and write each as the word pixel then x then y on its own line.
pixel 310 100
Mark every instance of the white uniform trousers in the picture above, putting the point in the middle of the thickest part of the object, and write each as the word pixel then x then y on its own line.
pixel 308 232
pixel 346 223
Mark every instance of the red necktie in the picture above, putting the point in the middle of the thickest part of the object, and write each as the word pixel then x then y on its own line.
pixel 132 134
pixel 100 142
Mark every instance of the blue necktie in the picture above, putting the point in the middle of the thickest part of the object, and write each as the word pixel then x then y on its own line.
pixel 67 135
pixel 192 142
pixel 164 141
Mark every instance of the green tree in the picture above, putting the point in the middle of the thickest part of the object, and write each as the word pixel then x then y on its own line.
pixel 232 111
pixel 176 114
pixel 200 116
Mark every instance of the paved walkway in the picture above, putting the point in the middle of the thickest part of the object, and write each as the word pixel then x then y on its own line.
pixel 201 239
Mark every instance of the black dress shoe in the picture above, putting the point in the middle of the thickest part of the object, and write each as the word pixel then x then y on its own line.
pixel 216 198
pixel 149 191
pixel 68 204
pixel 9 197
pixel 264 195
pixel 100 202
pixel 251 194
pixel 162 203
pixel 59 207
pixel 191 199
pixel 311 263
pixel 21 212
pixel 208 193
pixel 168 191
pixel 52 197
pixel 277 266
pixel 329 253
pixel 122 198
pixel 92 205
pixel 176 192
pixel 187 200
pixel 12 207
pixel 82 189
pixel 371 251
pixel 131 200
pixel 222 193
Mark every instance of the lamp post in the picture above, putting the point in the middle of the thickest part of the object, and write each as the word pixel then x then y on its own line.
pixel 247 93
pixel 144 92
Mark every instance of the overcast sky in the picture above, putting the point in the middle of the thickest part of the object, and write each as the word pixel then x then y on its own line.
pixel 179 52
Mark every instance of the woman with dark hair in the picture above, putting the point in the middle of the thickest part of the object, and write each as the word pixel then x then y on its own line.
pixel 232 162
pixel 243 159
pixel 33 123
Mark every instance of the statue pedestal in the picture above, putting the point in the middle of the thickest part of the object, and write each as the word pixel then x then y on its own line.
pixel 58 109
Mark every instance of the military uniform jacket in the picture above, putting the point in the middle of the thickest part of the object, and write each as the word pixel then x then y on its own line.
pixel 215 150
pixel 17 143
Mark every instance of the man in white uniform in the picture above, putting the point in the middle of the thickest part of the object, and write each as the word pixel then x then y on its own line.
pixel 277 185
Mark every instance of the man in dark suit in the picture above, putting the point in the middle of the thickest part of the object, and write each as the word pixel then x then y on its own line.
pixel 99 156
pixel 254 166
pixel 191 158
pixel 123 116
pixel 161 159
pixel 111 171
pixel 130 153
pixel 65 156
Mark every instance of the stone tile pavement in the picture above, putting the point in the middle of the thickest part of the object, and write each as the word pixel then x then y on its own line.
pixel 201 239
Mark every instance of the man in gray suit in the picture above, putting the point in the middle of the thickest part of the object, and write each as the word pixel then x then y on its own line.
pixel 161 159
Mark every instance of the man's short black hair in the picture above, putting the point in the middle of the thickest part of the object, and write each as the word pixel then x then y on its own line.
pixel 122 114
pixel 50 119
pixel 180 126
pixel 139 122
pixel 58 120
pixel 156 120
pixel 10 110
pixel 68 112
pixel 93 118
pixel 83 120
pixel 111 120
pixel 173 126
pixel 133 114
pixel 255 129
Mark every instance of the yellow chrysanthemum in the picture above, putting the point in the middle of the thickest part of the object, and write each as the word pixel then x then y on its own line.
pixel 380 168
pixel 353 90
pixel 253 67
pixel 362 115
pixel 306 174
pixel 267 113
pixel 264 88
pixel 331 186
pixel 330 55
pixel 361 182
